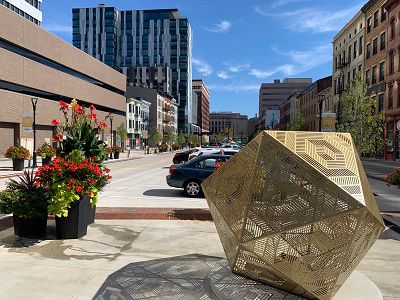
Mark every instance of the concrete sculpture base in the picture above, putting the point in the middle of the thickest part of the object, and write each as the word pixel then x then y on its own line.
pixel 228 286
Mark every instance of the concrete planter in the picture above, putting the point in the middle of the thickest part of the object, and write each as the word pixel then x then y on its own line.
pixel 30 227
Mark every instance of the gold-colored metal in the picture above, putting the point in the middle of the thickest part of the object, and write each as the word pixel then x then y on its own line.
pixel 295 211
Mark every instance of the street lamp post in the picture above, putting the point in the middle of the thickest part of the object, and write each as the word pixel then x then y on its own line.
pixel 321 99
pixel 34 105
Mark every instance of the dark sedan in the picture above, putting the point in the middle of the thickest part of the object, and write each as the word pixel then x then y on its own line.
pixel 190 175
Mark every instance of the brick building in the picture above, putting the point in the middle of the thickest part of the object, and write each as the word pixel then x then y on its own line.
pixel 392 103
pixel 203 105
pixel 35 63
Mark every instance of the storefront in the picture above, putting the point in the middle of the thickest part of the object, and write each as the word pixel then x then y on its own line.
pixel 392 137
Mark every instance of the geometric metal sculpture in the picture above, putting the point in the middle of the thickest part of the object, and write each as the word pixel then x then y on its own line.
pixel 295 210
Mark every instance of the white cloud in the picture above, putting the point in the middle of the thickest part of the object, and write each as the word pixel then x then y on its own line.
pixel 236 87
pixel 300 61
pixel 286 70
pixel 220 27
pixel 223 75
pixel 316 20
pixel 237 68
pixel 279 3
pixel 202 67
pixel 57 28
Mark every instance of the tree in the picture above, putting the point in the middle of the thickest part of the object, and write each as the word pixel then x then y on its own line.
pixel 298 122
pixel 181 139
pixel 191 139
pixel 155 137
pixel 121 133
pixel 356 115
pixel 169 137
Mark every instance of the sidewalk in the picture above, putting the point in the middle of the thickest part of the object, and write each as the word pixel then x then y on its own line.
pixel 378 168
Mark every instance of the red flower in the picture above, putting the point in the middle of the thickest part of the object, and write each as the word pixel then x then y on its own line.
pixel 92 116
pixel 91 107
pixel 107 170
pixel 78 189
pixel 79 109
pixel 56 137
pixel 55 122
pixel 63 105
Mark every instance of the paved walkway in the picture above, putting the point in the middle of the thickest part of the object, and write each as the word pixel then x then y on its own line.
pixel 378 168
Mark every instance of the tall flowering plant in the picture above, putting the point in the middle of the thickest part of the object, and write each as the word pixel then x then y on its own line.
pixel 68 179
pixel 79 131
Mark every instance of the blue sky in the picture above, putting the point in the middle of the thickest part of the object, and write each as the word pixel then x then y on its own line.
pixel 239 44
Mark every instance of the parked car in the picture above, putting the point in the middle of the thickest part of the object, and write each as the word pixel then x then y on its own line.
pixel 182 156
pixel 190 175
pixel 226 151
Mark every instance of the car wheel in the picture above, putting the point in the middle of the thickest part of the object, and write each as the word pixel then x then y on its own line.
pixel 193 189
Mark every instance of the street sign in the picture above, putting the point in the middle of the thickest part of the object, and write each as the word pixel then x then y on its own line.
pixel 145 134
pixel 27 121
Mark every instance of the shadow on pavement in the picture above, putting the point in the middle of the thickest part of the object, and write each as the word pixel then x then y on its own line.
pixel 165 193
pixel 181 277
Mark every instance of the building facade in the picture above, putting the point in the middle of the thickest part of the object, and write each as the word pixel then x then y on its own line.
pixel 141 38
pixel 203 107
pixel 225 122
pixel 163 113
pixel 29 9
pixel 251 127
pixel 137 121
pixel 36 64
pixel 159 78
pixel 309 104
pixel 392 103
pixel 348 54
pixel 375 50
pixel 273 95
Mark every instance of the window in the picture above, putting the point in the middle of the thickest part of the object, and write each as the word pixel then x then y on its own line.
pixel 390 100
pixel 383 14
pixel 355 50
pixel 368 51
pixel 360 46
pixel 391 62
pixel 382 71
pixel 367 77
pixel 376 15
pixel 392 29
pixel 373 75
pixel 354 72
pixel 369 25
pixel 383 41
pixel 375 46
pixel 349 54
pixel 209 163
pixel 380 102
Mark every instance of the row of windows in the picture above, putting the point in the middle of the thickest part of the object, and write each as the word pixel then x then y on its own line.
pixel 383 16
pixel 371 74
pixel 34 3
pixel 375 46
pixel 352 52
pixel 391 97
pixel 19 11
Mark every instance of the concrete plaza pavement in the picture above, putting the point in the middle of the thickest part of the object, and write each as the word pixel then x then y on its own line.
pixel 80 269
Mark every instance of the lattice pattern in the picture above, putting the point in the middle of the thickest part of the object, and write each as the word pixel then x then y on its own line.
pixel 295 210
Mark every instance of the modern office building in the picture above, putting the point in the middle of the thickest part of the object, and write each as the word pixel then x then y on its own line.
pixel 163 109
pixel 141 38
pixel 29 9
pixel 36 64
pixel 221 122
pixel 375 50
pixel 273 95
pixel 159 78
pixel 203 107
pixel 392 104
pixel 348 54
pixel 137 121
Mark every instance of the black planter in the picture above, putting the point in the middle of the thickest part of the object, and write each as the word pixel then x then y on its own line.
pixel 30 227
pixel 46 160
pixel 18 164
pixel 116 155
pixel 75 225
pixel 91 214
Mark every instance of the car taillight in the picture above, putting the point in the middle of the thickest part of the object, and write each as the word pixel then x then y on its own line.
pixel 171 170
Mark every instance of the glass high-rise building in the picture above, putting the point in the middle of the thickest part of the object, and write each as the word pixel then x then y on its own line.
pixel 29 9
pixel 153 39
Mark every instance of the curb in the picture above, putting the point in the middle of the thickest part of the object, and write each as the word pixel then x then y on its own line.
pixel 375 177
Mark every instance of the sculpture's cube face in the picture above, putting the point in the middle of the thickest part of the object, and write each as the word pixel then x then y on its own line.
pixel 295 210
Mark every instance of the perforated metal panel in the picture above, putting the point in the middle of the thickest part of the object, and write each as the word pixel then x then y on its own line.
pixel 295 210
